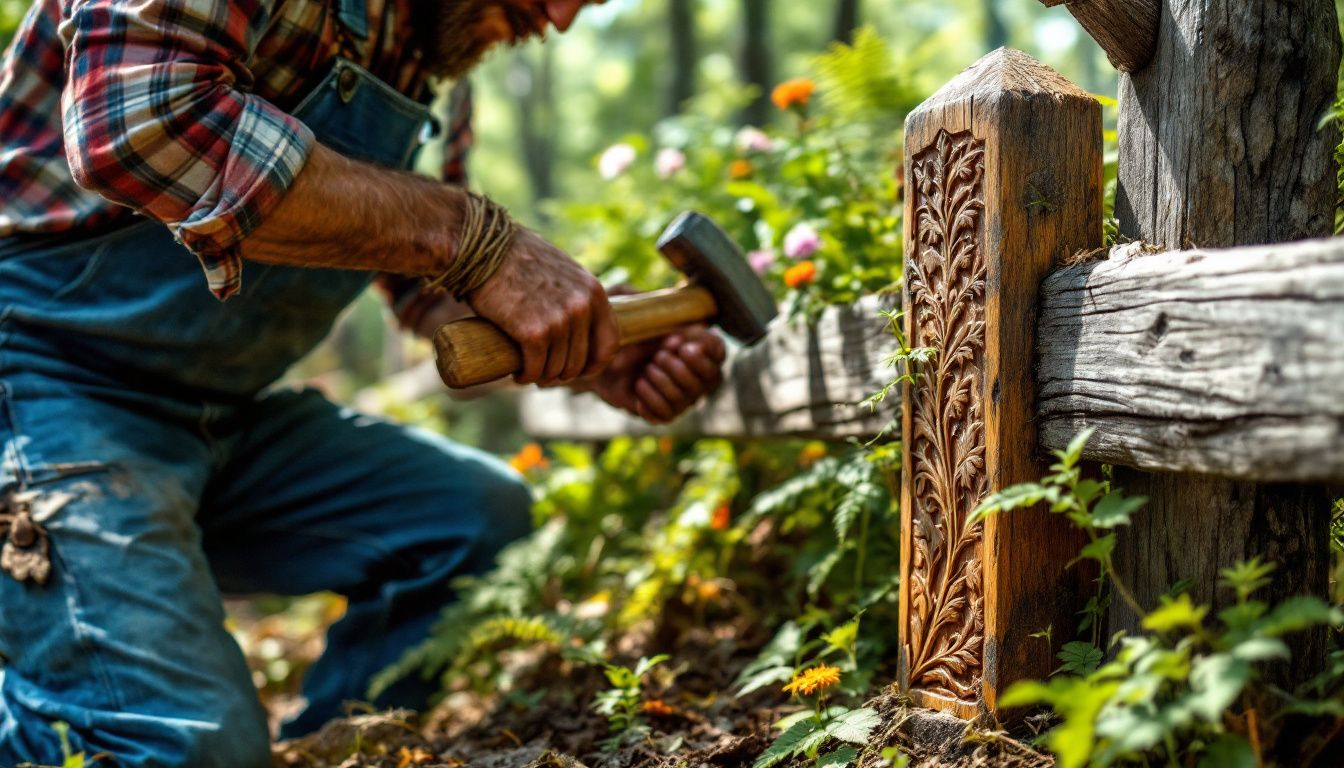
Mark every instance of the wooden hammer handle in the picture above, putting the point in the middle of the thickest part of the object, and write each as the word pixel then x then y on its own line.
pixel 476 351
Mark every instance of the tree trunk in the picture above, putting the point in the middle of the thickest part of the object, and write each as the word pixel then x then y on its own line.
pixel 996 33
pixel 756 64
pixel 681 32
pixel 1219 146
pixel 846 20
pixel 532 85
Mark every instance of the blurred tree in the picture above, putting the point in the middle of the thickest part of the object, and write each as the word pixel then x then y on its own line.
pixel 532 85
pixel 996 33
pixel 685 62
pixel 756 59
pixel 846 20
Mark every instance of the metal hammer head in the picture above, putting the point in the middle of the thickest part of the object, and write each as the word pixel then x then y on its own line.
pixel 702 251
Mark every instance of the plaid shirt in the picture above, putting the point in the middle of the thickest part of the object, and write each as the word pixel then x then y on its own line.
pixel 176 109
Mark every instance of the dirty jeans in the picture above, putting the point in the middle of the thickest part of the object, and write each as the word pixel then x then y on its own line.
pixel 134 412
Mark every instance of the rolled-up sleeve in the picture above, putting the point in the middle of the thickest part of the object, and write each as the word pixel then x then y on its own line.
pixel 158 117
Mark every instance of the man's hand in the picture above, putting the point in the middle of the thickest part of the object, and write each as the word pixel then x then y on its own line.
pixel 659 379
pixel 555 309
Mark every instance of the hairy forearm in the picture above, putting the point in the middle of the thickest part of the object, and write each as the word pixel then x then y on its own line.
pixel 348 214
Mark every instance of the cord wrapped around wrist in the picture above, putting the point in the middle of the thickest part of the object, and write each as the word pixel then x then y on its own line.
pixel 486 239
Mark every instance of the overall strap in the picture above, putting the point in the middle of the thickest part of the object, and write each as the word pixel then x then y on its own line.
pixel 354 14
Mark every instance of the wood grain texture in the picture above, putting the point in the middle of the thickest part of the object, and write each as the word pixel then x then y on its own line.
pixel 1225 363
pixel 1004 181
pixel 1125 29
pixel 1220 146
pixel 801 380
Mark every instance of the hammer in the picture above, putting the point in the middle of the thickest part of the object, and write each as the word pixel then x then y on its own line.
pixel 723 288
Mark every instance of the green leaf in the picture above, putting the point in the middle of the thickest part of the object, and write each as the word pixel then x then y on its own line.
pixel 1228 751
pixel 1115 510
pixel 840 758
pixel 644 665
pixel 1215 682
pixel 1026 693
pixel 1080 658
pixel 1297 613
pixel 1074 453
pixel 855 726
pixel 1260 649
pixel 764 677
pixel 1175 614
pixel 1014 497
pixel 1097 549
pixel 1246 577
pixel 843 637
pixel 788 744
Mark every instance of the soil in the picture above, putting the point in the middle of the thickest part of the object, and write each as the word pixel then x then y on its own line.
pixel 702 724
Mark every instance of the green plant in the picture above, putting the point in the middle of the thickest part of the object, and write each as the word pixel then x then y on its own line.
pixel 827 179
pixel 807 731
pixel 1188 692
pixel 905 360
pixel 622 704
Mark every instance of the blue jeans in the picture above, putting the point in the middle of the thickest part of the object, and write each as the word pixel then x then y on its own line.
pixel 136 424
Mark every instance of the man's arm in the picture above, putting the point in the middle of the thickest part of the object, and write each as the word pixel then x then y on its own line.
pixel 349 214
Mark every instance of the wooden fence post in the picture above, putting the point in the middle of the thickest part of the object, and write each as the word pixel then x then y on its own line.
pixel 1003 180
pixel 1221 145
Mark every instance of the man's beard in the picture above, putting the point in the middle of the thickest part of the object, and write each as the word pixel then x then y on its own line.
pixel 454 44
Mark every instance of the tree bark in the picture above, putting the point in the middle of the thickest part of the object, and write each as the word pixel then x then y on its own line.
pixel 756 65
pixel 1220 146
pixel 846 20
pixel 681 39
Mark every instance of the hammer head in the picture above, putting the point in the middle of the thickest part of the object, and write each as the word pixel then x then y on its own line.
pixel 702 251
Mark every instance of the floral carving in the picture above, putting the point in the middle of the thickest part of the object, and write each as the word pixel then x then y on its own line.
pixel 945 278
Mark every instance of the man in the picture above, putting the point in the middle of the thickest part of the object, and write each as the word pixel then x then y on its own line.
pixel 171 173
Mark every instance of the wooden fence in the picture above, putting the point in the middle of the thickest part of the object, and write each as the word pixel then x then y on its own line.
pixel 1213 375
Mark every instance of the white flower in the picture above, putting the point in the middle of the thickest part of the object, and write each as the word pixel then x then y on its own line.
pixel 616 160
pixel 802 241
pixel 753 139
pixel 668 162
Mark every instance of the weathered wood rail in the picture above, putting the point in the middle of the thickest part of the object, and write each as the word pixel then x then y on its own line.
pixel 1219 368
pixel 1222 362
pixel 802 380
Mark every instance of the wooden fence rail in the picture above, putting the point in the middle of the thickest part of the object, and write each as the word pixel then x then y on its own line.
pixel 803 380
pixel 1225 362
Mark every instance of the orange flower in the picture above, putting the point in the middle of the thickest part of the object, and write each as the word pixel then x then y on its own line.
pixel 812 453
pixel 407 757
pixel 800 274
pixel 723 517
pixel 530 457
pixel 665 445
pixel 793 93
pixel 740 169
pixel 813 680
pixel 658 707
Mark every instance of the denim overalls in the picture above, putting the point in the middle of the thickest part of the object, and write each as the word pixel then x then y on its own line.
pixel 138 436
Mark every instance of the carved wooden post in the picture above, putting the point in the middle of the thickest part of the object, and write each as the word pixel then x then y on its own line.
pixel 1003 179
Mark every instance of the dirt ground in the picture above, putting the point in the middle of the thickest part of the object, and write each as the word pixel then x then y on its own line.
pixel 548 722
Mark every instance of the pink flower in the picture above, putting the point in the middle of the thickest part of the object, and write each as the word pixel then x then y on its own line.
pixel 616 160
pixel 668 162
pixel 801 241
pixel 761 260
pixel 752 139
